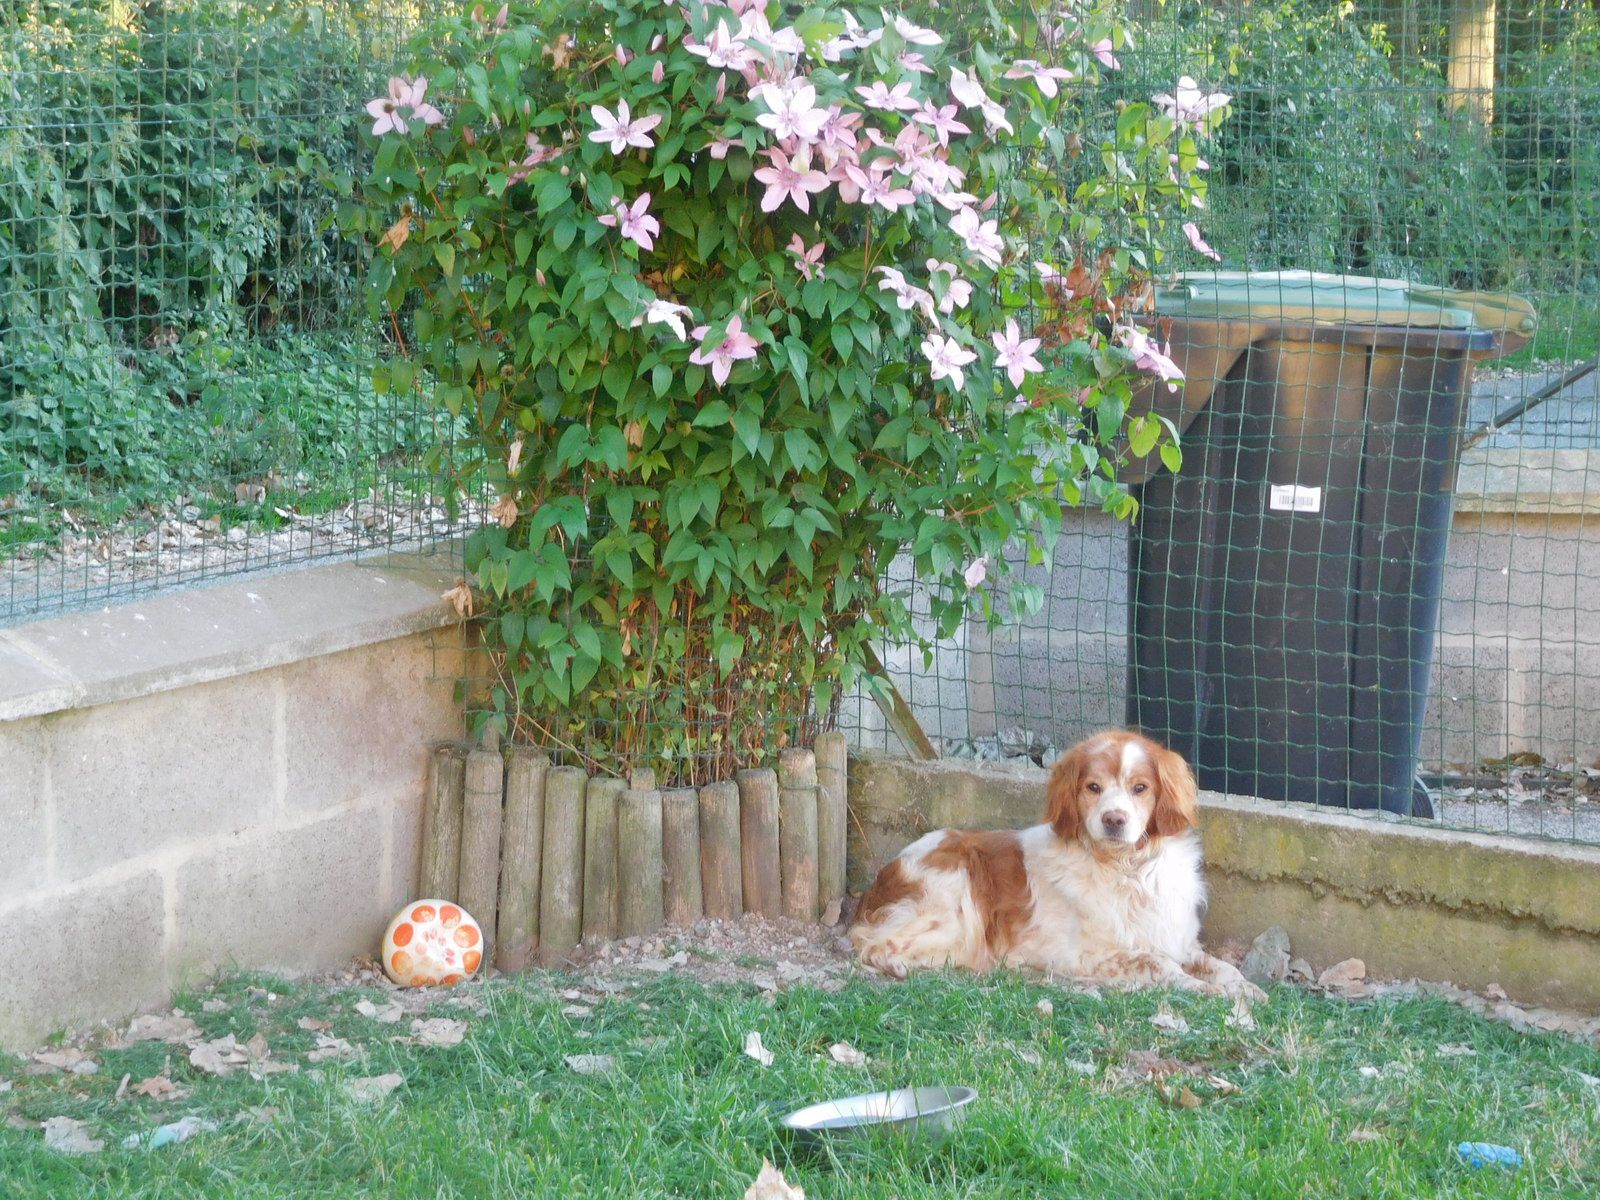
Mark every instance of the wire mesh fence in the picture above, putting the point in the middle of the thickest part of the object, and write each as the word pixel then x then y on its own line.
pixel 1372 582
pixel 186 370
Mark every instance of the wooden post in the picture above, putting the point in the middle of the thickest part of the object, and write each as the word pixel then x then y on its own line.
pixel 1470 70
pixel 683 901
pixel 600 859
pixel 521 851
pixel 478 887
pixel 639 866
pixel 832 753
pixel 642 779
pixel 758 836
pixel 561 881
pixel 720 861
pixel 441 823
pixel 797 833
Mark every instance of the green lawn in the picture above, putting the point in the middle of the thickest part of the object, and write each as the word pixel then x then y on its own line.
pixel 688 1114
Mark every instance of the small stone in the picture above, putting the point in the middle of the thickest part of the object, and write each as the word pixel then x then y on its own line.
pixel 1300 971
pixel 1345 976
pixel 1268 960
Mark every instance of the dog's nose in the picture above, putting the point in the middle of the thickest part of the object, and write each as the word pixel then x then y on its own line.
pixel 1114 822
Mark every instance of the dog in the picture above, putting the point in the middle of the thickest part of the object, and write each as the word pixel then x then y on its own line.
pixel 1108 890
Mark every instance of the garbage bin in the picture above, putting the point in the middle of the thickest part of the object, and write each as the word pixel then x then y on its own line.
pixel 1284 585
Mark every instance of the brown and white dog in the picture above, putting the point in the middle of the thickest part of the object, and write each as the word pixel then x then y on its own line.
pixel 1107 890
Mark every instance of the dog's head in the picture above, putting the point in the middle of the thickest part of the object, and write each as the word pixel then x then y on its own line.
pixel 1118 791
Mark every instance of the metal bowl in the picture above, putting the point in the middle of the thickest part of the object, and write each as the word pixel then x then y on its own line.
pixel 905 1110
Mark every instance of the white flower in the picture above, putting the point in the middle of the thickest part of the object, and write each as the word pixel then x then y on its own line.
pixel 977 571
pixel 664 312
pixel 791 114
pixel 621 131
pixel 982 237
pixel 1014 353
pixel 1188 105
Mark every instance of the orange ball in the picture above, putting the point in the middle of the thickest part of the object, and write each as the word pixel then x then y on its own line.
pixel 432 942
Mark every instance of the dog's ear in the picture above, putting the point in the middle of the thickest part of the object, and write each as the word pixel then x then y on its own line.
pixel 1177 798
pixel 1061 799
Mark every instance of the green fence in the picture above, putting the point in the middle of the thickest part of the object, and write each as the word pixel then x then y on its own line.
pixel 185 366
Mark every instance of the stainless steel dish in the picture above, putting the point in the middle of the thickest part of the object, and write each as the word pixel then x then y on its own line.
pixel 905 1110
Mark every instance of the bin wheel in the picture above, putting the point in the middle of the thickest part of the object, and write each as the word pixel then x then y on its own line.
pixel 1421 800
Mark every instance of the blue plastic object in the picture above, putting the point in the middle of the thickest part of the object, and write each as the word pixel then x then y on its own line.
pixel 1486 1154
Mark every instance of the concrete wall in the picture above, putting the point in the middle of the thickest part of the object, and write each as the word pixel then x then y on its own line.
pixel 1470 909
pixel 230 775
pixel 1518 659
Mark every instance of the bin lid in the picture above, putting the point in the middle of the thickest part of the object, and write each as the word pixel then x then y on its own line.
pixel 1324 299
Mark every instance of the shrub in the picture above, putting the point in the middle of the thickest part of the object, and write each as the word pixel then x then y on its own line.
pixel 719 369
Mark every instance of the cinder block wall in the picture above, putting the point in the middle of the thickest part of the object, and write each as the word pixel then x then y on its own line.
pixel 227 776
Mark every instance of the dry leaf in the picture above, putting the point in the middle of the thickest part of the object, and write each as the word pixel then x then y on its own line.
pixel 831 914
pixel 846 1055
pixel 171 1029
pixel 1592 1080
pixel 312 1025
pixel 1169 1021
pixel 1222 1085
pixel 514 456
pixel 771 1185
pixel 1363 1135
pixel 577 1010
pixel 218 1056
pixel 68 1136
pixel 159 1087
pixel 214 1006
pixel 460 599
pixel 256 1048
pixel 397 234
pixel 591 1064
pixel 754 1049
pixel 439 1031
pixel 371 1088
pixel 560 51
pixel 330 1048
pixel 504 510
pixel 389 1014
pixel 1241 1016
pixel 1045 1008
pixel 1178 1097
pixel 1457 1050
pixel 1032 1057
pixel 69 1059
pixel 122 1087
pixel 1082 1067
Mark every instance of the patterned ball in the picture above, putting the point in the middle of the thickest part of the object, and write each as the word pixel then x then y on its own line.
pixel 432 942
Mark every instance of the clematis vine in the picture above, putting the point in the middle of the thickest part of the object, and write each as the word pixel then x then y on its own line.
pixel 808 259
pixel 405 100
pixel 947 359
pixel 1192 232
pixel 1189 105
pixel 1015 354
pixel 736 345
pixel 790 179
pixel 622 130
pixel 1148 356
pixel 977 571
pixel 634 223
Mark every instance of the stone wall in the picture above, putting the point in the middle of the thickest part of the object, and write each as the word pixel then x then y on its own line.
pixel 222 776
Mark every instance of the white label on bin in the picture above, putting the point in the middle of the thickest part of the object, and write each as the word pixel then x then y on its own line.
pixel 1292 497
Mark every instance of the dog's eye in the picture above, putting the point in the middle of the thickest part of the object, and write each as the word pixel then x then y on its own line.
pixel 1095 788
pixel 1140 788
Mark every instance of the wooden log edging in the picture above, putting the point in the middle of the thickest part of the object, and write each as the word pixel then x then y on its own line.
pixel 545 857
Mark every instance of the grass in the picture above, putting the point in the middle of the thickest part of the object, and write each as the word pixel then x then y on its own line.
pixel 687 1114
pixel 1569 331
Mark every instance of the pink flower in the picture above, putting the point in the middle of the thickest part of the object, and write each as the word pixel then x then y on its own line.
pixel 808 261
pixel 1192 232
pixel 977 571
pixel 635 224
pixel 788 180
pixel 915 63
pixel 1188 105
pixel 907 296
pixel 622 130
pixel 791 114
pixel 958 292
pixel 837 129
pixel 916 35
pixel 719 146
pixel 1044 78
pixel 1015 353
pixel 995 119
pixel 967 90
pixel 942 121
pixel 1103 51
pixel 1147 356
pixel 623 55
pixel 873 186
pixel 538 153
pixel 405 99
pixel 895 99
pixel 982 237
pixel 735 344
pixel 947 358
pixel 659 71
pixel 722 50
pixel 664 312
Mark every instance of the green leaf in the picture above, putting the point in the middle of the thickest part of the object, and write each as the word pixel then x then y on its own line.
pixel 660 379
pixel 618 378
pixel 747 426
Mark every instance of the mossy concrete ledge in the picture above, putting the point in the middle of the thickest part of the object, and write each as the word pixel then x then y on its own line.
pixel 1408 899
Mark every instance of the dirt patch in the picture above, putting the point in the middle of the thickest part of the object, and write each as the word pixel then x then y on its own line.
pixel 766 954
